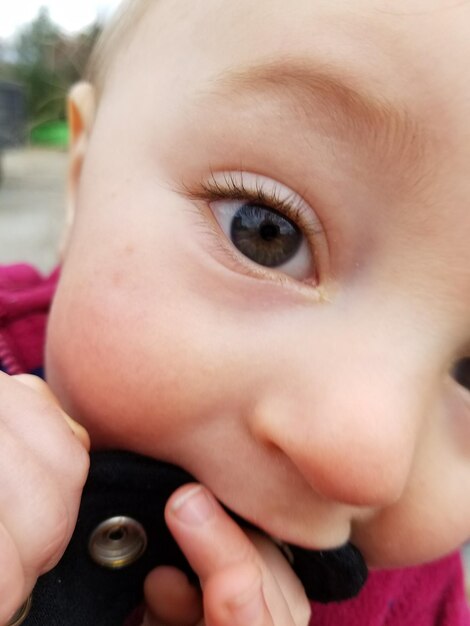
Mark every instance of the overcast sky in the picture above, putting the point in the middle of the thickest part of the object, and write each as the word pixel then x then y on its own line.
pixel 71 15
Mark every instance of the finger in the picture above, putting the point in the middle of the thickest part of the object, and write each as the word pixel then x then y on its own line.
pixel 293 590
pixel 38 385
pixel 32 417
pixel 38 516
pixel 39 446
pixel 216 547
pixel 198 523
pixel 235 597
pixel 13 587
pixel 171 599
pixel 43 469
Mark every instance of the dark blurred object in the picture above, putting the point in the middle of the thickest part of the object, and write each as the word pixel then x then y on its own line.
pixel 12 117
pixel 121 535
pixel 12 114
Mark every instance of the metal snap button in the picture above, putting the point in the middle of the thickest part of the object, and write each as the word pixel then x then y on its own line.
pixel 21 614
pixel 117 542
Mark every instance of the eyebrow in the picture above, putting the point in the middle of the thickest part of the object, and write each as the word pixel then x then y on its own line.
pixel 357 115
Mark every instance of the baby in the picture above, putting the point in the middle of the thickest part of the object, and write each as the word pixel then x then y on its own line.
pixel 266 281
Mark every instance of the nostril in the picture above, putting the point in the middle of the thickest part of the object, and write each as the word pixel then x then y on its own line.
pixel 461 372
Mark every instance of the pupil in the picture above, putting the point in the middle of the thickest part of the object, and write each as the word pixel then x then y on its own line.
pixel 269 232
pixel 264 235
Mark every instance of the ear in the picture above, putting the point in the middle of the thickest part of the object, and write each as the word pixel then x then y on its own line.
pixel 81 108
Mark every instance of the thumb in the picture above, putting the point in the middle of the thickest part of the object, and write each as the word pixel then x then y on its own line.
pixel 43 389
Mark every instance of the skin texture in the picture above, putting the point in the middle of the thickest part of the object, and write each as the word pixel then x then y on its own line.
pixel 321 408
pixel 44 465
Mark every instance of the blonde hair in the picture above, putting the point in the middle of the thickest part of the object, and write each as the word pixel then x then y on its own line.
pixel 115 35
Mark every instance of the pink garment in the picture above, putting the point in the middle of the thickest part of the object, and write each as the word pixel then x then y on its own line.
pixel 428 595
pixel 25 298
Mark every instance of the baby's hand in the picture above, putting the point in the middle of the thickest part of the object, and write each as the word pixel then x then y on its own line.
pixel 245 579
pixel 43 467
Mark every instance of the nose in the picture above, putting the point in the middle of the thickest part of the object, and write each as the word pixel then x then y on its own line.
pixel 349 424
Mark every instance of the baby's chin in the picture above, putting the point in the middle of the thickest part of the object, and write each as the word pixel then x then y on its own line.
pixel 378 546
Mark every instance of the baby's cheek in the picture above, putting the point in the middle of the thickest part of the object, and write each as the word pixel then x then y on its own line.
pixel 122 372
pixel 433 510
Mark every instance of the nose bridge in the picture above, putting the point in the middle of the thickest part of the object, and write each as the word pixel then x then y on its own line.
pixel 349 423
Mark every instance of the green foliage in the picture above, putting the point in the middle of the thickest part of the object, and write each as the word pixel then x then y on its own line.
pixel 47 64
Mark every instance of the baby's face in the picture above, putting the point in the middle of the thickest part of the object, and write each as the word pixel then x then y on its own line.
pixel 268 280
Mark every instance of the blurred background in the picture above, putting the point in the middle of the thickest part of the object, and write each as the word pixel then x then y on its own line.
pixel 44 48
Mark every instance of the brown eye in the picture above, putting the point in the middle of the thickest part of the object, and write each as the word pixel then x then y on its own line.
pixel 461 372
pixel 265 236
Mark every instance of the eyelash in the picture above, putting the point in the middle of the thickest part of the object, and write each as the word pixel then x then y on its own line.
pixel 232 187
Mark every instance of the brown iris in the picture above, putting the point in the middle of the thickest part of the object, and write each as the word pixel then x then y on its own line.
pixel 264 235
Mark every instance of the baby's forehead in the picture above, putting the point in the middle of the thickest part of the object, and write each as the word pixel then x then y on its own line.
pixel 381 50
pixel 358 23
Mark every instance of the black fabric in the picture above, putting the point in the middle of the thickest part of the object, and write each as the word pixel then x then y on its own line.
pixel 330 575
pixel 79 592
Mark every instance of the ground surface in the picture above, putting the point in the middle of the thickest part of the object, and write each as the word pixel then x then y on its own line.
pixel 32 205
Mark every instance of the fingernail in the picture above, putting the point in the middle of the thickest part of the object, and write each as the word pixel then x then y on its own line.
pixel 247 607
pixel 193 507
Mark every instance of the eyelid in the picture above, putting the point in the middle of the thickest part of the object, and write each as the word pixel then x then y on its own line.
pixel 233 186
pixel 243 186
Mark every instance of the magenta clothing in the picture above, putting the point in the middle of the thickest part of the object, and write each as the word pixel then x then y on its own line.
pixel 25 298
pixel 428 595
